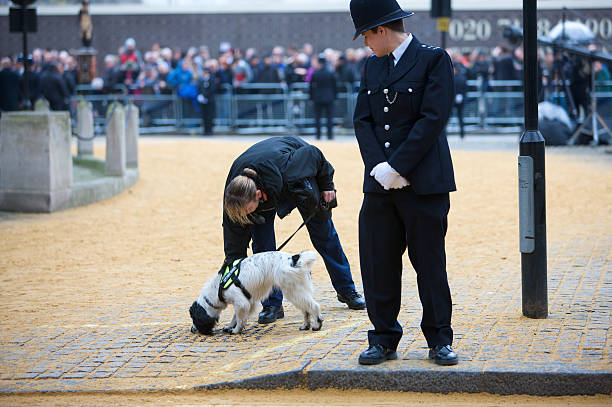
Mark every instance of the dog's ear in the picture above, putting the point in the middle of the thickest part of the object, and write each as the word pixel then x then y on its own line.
pixel 294 259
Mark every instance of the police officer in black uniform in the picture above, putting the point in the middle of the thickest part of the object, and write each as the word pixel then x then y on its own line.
pixel 404 103
pixel 207 88
pixel 323 92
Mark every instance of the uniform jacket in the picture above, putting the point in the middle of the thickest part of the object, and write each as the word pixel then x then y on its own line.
pixel 208 89
pixel 10 94
pixel 54 89
pixel 323 86
pixel 461 86
pixel 280 163
pixel 408 133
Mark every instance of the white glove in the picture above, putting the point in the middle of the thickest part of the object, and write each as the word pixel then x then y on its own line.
pixel 202 99
pixel 399 182
pixel 458 98
pixel 384 174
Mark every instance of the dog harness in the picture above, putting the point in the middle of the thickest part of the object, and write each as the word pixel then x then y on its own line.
pixel 229 277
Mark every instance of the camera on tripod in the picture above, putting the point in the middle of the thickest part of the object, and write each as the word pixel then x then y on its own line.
pixel 567 52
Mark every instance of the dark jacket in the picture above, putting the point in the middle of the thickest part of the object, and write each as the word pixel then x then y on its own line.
pixel 208 88
pixel 54 89
pixel 10 94
pixel 421 86
pixel 346 73
pixel 112 77
pixel 323 86
pixel 70 78
pixel 267 74
pixel 34 90
pixel 504 69
pixel 461 86
pixel 281 164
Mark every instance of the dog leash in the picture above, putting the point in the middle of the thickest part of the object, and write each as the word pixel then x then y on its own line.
pixel 298 229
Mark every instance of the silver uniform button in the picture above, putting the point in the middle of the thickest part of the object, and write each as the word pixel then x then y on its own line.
pixel 410 90
pixel 386 91
pixel 369 92
pixel 387 127
pixel 386 109
pixel 387 144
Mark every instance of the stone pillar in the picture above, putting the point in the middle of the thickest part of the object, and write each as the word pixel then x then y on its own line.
pixel 85 128
pixel 41 105
pixel 131 136
pixel 115 140
pixel 35 161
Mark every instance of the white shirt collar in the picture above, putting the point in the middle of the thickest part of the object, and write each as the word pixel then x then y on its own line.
pixel 399 51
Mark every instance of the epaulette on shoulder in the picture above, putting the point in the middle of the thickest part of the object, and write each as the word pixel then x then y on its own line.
pixel 430 47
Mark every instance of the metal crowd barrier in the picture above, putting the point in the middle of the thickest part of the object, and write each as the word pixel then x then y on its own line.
pixel 258 108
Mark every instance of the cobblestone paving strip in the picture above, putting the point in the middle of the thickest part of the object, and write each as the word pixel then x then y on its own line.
pixel 491 335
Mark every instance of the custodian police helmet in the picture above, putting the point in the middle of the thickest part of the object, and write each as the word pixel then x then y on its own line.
pixel 368 14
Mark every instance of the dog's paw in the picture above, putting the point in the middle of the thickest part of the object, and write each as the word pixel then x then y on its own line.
pixel 228 329
pixel 305 327
pixel 317 326
pixel 194 330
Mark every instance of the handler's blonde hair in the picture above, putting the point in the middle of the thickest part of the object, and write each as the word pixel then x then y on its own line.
pixel 239 193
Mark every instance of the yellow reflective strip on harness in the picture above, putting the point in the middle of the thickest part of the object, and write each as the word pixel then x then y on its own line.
pixel 227 279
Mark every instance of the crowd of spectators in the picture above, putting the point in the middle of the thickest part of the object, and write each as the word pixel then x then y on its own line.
pixel 164 70
pixel 52 74
pixel 506 63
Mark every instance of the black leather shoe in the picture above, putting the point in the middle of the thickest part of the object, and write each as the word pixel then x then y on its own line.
pixel 270 313
pixel 353 299
pixel 443 355
pixel 377 354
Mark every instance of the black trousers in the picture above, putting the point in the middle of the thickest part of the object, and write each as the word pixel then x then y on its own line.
pixel 329 114
pixel 388 223
pixel 459 107
pixel 208 115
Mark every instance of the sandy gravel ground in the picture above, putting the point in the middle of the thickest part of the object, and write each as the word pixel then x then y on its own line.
pixel 320 398
pixel 162 239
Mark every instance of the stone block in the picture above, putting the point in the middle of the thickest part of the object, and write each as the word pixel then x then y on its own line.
pixel 85 128
pixel 115 141
pixel 131 135
pixel 35 161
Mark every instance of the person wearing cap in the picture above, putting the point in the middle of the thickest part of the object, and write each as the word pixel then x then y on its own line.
pixel 323 94
pixel 403 105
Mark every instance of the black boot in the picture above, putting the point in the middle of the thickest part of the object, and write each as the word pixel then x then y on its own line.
pixel 443 355
pixel 377 354
pixel 270 313
pixel 353 299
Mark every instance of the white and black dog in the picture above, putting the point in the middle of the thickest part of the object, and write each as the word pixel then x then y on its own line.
pixel 258 274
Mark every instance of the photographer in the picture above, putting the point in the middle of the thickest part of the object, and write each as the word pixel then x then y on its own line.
pixel 130 60
pixel 273 177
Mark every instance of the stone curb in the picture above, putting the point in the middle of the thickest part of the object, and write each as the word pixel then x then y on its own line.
pixel 103 187
pixel 429 381
pixel 464 380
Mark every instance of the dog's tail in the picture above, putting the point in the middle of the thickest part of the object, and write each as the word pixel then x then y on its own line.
pixel 304 259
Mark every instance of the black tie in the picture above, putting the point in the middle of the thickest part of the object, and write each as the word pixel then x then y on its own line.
pixel 390 61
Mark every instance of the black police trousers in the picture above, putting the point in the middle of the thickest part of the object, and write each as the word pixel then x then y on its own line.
pixel 388 223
